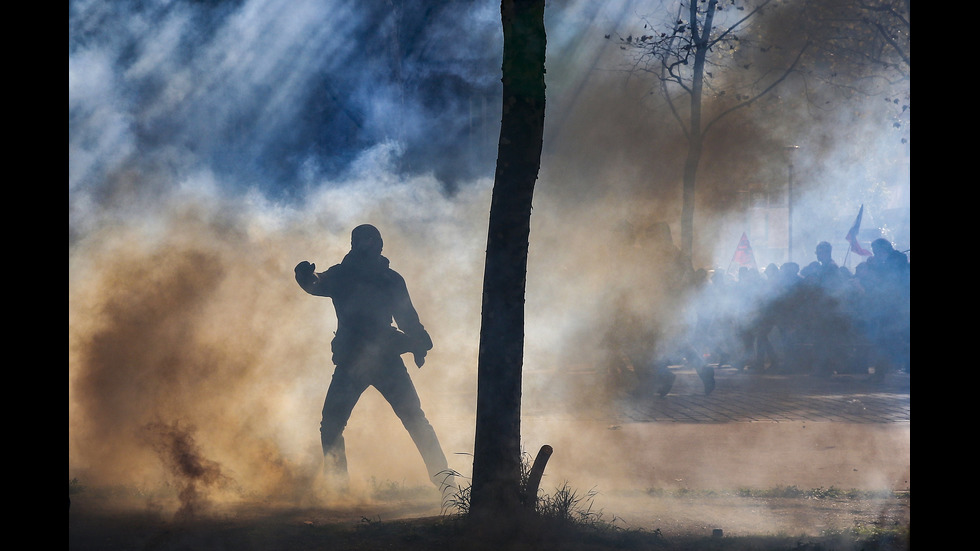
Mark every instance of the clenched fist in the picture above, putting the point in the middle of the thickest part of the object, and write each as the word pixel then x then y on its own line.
pixel 304 268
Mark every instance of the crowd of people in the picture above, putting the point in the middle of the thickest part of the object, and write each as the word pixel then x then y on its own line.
pixel 820 319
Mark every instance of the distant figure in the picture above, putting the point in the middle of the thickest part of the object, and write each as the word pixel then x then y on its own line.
pixel 765 322
pixel 887 280
pixel 828 274
pixel 824 254
pixel 824 324
pixel 789 299
pixel 367 295
pixel 890 265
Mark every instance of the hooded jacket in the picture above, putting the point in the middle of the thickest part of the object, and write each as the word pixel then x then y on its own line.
pixel 367 296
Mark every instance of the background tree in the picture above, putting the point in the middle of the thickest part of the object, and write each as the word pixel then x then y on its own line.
pixel 718 56
pixel 863 48
pixel 704 52
pixel 870 37
pixel 497 453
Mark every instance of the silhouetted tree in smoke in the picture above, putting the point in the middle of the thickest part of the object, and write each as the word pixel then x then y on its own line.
pixel 863 38
pixel 699 52
pixel 718 56
pixel 496 458
pixel 863 48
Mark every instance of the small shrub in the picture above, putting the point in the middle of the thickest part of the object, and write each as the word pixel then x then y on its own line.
pixel 568 506
pixel 565 506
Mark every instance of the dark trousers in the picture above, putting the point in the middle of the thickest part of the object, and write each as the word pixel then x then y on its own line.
pixel 391 378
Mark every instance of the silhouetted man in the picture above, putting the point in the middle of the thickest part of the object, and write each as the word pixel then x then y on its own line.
pixel 367 296
pixel 822 316
pixel 888 288
pixel 828 274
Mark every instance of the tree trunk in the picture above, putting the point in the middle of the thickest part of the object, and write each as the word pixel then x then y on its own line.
pixel 701 38
pixel 497 454
pixel 687 195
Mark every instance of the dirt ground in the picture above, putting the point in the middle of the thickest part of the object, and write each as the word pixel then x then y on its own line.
pixel 759 486
pixel 646 522
pixel 813 516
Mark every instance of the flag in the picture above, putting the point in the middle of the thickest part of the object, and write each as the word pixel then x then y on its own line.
pixel 852 235
pixel 743 253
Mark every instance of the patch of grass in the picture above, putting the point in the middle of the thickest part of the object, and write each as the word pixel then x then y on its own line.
pixel 822 493
pixel 562 513
pixel 687 492
pixel 457 503
pixel 875 537
pixel 791 492
pixel 566 505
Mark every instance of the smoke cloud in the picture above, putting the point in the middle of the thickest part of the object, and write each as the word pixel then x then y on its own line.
pixel 213 145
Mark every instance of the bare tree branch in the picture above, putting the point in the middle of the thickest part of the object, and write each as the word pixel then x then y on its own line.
pixel 789 70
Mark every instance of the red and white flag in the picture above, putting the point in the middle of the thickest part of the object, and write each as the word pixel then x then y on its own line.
pixel 852 235
pixel 743 253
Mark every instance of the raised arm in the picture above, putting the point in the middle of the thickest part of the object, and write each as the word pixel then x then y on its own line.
pixel 309 280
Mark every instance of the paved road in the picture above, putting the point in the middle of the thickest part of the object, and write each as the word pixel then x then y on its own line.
pixel 746 397
pixel 754 430
pixel 739 397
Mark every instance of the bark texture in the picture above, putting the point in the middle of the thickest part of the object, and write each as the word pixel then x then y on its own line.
pixel 497 450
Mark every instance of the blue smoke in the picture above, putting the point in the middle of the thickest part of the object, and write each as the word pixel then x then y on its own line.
pixel 269 94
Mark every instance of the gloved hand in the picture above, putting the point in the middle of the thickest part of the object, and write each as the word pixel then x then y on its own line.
pixel 423 345
pixel 305 273
pixel 304 268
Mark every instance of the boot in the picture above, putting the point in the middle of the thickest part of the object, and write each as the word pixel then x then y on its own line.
pixel 707 374
pixel 665 380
